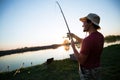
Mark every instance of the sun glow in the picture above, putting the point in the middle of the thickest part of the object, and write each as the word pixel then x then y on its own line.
pixel 39 22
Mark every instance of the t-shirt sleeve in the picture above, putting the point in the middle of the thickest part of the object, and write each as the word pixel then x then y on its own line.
pixel 85 48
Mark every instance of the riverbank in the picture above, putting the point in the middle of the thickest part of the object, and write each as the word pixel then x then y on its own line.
pixel 67 69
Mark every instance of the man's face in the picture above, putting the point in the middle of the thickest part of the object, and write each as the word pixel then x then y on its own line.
pixel 85 26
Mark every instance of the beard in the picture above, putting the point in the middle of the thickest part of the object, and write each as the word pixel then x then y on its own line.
pixel 86 29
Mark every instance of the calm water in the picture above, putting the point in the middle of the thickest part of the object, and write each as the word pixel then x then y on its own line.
pixel 26 59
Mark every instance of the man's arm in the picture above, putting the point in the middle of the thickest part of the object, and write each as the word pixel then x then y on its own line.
pixel 76 37
pixel 80 57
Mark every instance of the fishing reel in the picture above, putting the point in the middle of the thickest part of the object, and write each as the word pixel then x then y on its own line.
pixel 67 42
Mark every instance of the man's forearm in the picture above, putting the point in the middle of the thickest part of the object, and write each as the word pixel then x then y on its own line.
pixel 76 53
pixel 78 38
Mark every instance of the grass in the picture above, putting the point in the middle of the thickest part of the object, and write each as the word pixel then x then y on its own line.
pixel 68 70
pixel 110 62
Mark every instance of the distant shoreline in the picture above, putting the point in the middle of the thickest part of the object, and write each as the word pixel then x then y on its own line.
pixel 108 39
pixel 27 49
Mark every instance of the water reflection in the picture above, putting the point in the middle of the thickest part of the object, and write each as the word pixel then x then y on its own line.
pixel 26 59
pixel 112 43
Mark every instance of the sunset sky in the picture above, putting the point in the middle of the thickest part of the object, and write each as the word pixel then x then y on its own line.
pixel 25 23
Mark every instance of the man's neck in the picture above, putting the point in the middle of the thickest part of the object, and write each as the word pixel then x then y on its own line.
pixel 92 30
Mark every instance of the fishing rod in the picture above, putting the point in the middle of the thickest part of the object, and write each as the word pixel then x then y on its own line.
pixel 70 37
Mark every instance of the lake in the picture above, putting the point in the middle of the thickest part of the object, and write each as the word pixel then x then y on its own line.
pixel 15 61
pixel 26 59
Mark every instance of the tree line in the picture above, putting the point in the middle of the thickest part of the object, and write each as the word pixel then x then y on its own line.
pixel 108 39
pixel 112 38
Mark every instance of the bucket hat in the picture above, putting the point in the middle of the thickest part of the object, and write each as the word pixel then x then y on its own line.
pixel 94 18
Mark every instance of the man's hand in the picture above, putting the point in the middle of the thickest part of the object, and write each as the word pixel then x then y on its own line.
pixel 75 37
pixel 70 35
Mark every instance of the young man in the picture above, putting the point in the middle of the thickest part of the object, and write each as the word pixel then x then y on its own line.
pixel 91 48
